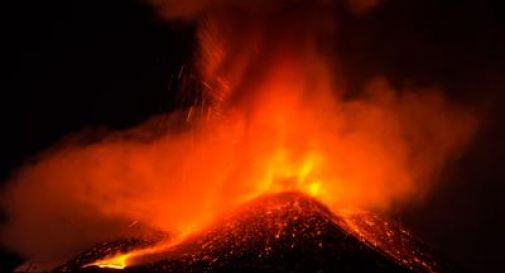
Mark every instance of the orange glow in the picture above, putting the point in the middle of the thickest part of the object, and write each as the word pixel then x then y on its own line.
pixel 275 116
pixel 113 263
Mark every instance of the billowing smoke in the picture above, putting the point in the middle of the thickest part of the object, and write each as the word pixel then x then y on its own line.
pixel 275 116
pixel 195 9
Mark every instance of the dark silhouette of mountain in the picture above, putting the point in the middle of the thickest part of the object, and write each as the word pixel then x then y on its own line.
pixel 286 232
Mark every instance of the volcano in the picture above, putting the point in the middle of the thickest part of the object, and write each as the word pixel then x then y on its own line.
pixel 284 232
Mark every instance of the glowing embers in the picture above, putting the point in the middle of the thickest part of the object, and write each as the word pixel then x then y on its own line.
pixel 389 238
pixel 290 229
pixel 255 229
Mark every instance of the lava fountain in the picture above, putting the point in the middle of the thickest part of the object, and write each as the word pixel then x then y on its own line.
pixel 273 115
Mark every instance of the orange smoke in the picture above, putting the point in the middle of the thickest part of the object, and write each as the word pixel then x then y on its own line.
pixel 273 119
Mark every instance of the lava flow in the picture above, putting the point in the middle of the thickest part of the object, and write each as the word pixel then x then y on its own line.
pixel 272 114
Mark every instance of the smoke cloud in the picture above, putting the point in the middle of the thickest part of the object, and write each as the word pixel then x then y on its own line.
pixel 194 9
pixel 275 116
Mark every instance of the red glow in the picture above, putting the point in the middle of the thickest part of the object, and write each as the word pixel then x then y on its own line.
pixel 274 118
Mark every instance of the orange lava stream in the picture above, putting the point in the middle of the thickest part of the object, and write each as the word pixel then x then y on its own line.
pixel 122 260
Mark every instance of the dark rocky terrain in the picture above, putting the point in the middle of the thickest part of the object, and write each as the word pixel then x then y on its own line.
pixel 286 232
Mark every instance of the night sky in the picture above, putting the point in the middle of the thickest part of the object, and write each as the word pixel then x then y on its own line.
pixel 77 65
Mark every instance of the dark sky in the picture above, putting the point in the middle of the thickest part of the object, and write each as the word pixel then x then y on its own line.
pixel 77 64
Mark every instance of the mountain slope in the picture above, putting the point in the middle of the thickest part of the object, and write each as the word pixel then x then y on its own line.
pixel 286 232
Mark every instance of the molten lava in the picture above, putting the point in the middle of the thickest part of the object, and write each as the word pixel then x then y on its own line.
pixel 274 115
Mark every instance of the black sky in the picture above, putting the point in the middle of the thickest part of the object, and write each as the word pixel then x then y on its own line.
pixel 77 64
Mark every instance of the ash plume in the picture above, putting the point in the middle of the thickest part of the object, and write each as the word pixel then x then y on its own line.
pixel 276 116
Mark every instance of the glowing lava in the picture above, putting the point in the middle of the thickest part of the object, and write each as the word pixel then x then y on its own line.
pixel 114 263
pixel 273 114
pixel 279 224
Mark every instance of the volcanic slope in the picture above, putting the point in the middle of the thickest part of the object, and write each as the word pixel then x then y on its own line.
pixel 285 232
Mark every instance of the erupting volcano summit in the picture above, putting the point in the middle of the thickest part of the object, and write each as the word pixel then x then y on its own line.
pixel 285 232
pixel 269 167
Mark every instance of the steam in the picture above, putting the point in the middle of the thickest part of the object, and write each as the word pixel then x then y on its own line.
pixel 274 118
